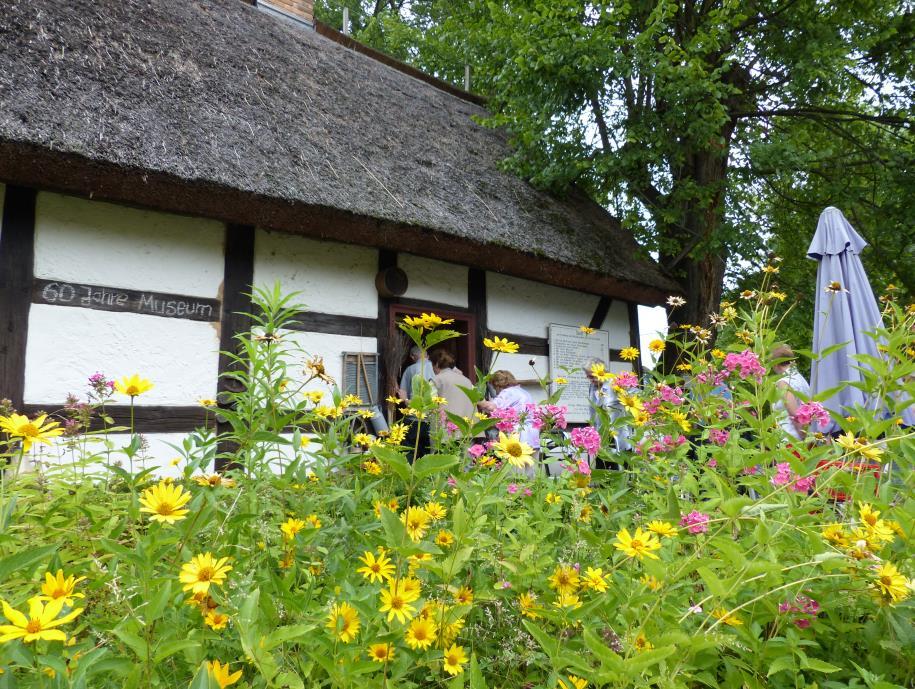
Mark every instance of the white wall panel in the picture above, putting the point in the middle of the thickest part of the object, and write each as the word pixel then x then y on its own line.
pixel 331 349
pixel 432 280
pixel 331 277
pixel 524 307
pixel 67 345
pixel 519 366
pixel 105 244
pixel 617 323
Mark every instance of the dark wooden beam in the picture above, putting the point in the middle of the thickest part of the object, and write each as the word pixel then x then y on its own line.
pixel 476 302
pixel 633 309
pixel 147 418
pixel 17 254
pixel 600 312
pixel 236 303
pixel 335 324
pixel 526 343
pixel 386 259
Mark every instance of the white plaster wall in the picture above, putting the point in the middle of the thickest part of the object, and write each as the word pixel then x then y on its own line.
pixel 331 349
pixel 106 244
pixel 518 366
pixel 67 345
pixel 331 277
pixel 432 280
pixel 617 324
pixel 524 307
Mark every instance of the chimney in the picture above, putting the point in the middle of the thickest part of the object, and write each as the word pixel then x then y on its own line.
pixel 299 11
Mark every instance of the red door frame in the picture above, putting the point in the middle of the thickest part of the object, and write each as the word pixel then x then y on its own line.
pixel 467 345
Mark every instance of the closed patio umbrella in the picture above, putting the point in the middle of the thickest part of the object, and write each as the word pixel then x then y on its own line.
pixel 846 311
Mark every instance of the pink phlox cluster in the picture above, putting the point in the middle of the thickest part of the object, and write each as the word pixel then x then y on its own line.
pixel 812 411
pixel 584 468
pixel 476 451
pixel 746 364
pixel 586 438
pixel 626 380
pixel 785 476
pixel 512 488
pixel 714 378
pixel 695 522
pixel 528 492
pixel 508 419
pixel 452 481
pixel 666 444
pixel 718 436
pixel 651 406
pixel 751 471
pixel 451 428
pixel 547 415
pixel 803 608
pixel 671 395
pixel 713 463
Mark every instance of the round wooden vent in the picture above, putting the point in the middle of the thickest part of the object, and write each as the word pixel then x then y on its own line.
pixel 391 282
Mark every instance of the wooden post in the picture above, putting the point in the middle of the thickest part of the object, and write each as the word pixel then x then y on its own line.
pixel 633 310
pixel 17 253
pixel 476 302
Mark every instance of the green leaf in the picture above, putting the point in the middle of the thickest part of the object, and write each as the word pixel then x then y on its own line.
pixel 287 633
pixel 203 680
pixel 131 640
pixel 546 641
pixel 673 505
pixel 818 665
pixel 23 559
pixel 394 528
pixel 476 677
pixel 392 459
pixel 712 581
pixel 783 662
pixel 607 656
pixel 434 464
pixel 167 649
pixel 158 601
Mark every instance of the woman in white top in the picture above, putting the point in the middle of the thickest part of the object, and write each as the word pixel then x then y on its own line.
pixel 510 395
pixel 790 384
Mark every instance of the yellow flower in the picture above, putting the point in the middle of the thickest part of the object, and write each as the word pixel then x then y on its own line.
pixel 222 674
pixel 564 580
pixel 314 367
pixel 416 520
pixel 528 604
pixel 718 354
pixel 681 420
pixel 395 602
pixel 567 600
pixel 39 625
pixel 421 633
pixel 327 412
pixel 553 499
pixel 133 385
pixel 463 596
pixel 343 621
pixel 56 586
pixel 313 521
pixel 573 682
pixel 216 620
pixel 291 527
pixel 560 381
pixel 444 538
pixel 890 586
pixel 651 582
pixel 510 448
pixel 642 643
pixel 638 545
pixel 376 569
pixel 585 514
pixel 594 579
pixel 314 396
pixel 720 613
pixel 869 516
pixel 685 368
pixel 501 344
pixel 600 373
pixel 381 653
pixel 435 510
pixel 656 346
pixel 629 354
pixel 665 529
pixel 410 588
pixel 834 533
pixel 372 467
pixel 586 330
pixel 454 660
pixel 428 321
pixel 164 502
pixel 31 432
pixel 397 433
pixel 203 570
pixel 214 481
pixel 206 402
pixel 364 440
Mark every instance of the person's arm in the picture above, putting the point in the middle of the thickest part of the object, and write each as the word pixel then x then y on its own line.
pixel 791 404
pixel 404 387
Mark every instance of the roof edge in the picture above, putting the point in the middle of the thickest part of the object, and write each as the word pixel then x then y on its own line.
pixel 29 165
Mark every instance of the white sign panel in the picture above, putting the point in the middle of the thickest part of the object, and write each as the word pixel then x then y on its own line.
pixel 570 349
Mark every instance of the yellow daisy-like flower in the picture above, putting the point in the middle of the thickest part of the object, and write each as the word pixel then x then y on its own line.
pixel 629 354
pixel 216 620
pixel 435 510
pixel 164 502
pixel 528 604
pixel 560 381
pixel 206 402
pixel 416 520
pixel 586 330
pixel 202 571
pixel 642 643
pixel 37 431
pixel 364 440
pixel 396 433
pixel 720 613
pixel 313 521
pixel 41 623
pixel 572 682
pixel 214 481
pixel 639 545
pixel 132 386
pixel 432 320
pixel 421 633
pixel 291 527
pixel 665 529
pixel 553 499
pixel 372 468
pixel 656 346
pixel 594 579
pixel 381 653
pixel 868 515
pixel 567 600
pixel 454 660
pixel 343 621
pixel 444 538
pixel 585 514
pixel 222 674
pixel 511 449
pixel 396 603
pixel 58 587
pixel 718 354
pixel 314 396
pixel 376 569
pixel 890 586
pixel 600 373
pixel 564 580
pixel 501 344
pixel 463 596
pixel 651 582
pixel 835 533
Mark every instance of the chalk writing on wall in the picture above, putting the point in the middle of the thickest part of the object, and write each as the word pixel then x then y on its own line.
pixel 570 349
pixel 101 298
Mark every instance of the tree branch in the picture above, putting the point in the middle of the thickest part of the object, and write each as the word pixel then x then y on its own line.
pixel 601 123
pixel 813 111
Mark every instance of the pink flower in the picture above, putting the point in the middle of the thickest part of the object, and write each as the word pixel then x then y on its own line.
pixel 652 405
pixel 746 364
pixel 804 485
pixel 584 467
pixel 719 437
pixel 528 492
pixel 812 411
pixel 505 584
pixel 671 395
pixel 452 482
pixel 476 451
pixel 802 622
pixel 695 522
pixel 512 488
pixel 783 474
pixel 586 438
pixel 713 463
pixel 508 419
pixel 451 428
pixel 626 380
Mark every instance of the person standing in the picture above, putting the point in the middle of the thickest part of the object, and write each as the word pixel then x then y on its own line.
pixel 448 382
pixel 510 395
pixel 791 383
pixel 420 365
pixel 418 438
pixel 601 395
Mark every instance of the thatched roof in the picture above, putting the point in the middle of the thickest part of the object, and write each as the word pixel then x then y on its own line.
pixel 214 107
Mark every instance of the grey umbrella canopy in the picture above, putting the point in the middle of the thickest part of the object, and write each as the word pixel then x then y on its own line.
pixel 846 311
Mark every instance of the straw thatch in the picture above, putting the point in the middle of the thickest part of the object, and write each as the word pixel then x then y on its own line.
pixel 217 92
